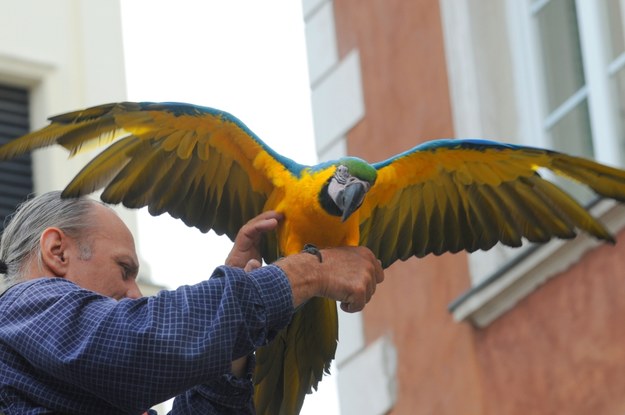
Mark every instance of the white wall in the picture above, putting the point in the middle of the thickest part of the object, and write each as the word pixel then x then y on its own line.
pixel 69 53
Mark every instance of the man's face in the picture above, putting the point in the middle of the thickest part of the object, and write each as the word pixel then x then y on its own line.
pixel 110 265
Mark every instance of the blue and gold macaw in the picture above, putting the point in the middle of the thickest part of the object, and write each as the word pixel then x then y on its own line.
pixel 207 168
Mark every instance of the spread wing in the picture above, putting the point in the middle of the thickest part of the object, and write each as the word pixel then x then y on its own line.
pixel 199 164
pixel 453 195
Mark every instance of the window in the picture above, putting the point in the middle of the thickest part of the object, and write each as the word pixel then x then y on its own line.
pixel 579 54
pixel 569 67
pixel 577 45
pixel 16 181
pixel 566 120
pixel 563 63
pixel 614 12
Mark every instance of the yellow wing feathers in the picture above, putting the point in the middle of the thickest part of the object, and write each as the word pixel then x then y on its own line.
pixel 458 195
pixel 206 167
pixel 199 164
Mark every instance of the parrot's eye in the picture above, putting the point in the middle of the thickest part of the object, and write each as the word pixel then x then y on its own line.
pixel 342 173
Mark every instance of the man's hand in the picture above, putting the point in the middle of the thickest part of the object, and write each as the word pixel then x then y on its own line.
pixel 347 274
pixel 351 276
pixel 246 253
pixel 239 367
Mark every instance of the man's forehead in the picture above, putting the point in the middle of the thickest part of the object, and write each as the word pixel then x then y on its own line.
pixel 107 217
pixel 107 224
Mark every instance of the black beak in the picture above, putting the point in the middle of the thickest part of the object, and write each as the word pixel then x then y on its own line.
pixel 353 195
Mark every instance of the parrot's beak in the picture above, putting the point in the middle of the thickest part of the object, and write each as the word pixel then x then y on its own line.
pixel 353 195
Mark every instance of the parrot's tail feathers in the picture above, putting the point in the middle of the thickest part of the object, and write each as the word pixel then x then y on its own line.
pixel 268 376
pixel 294 363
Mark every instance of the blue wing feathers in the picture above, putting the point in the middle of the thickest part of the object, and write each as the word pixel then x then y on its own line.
pixel 177 109
pixel 454 144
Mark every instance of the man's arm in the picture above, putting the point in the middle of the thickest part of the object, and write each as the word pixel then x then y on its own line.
pixel 132 354
pixel 347 274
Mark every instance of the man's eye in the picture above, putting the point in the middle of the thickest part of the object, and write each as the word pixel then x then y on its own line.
pixel 125 271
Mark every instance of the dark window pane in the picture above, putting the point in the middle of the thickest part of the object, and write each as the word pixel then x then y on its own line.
pixel 558 36
pixel 16 181
pixel 618 91
pixel 572 135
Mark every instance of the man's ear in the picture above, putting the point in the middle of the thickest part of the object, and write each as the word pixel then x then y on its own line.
pixel 53 243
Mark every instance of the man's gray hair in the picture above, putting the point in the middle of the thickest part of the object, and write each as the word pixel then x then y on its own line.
pixel 20 238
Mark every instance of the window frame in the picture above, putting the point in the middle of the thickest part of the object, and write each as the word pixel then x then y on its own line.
pixel 507 282
pixel 525 47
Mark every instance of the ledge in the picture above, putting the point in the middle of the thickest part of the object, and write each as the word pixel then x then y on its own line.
pixel 501 291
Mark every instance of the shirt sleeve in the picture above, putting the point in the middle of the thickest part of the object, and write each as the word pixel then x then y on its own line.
pixel 136 353
pixel 224 395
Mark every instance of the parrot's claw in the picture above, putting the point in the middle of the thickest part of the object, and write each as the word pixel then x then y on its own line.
pixel 313 250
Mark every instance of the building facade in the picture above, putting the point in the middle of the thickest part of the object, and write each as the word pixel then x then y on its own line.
pixel 56 56
pixel 531 330
pixel 504 332
pixel 66 54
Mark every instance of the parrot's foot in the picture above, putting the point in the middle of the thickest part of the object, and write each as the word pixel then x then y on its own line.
pixel 313 250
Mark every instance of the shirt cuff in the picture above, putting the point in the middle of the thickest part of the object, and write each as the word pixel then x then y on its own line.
pixel 275 292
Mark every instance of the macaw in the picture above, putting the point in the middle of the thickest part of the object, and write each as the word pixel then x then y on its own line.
pixel 207 168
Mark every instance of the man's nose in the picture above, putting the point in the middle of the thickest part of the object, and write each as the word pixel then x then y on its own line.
pixel 133 291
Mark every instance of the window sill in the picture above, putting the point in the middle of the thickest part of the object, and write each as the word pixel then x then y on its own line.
pixel 501 291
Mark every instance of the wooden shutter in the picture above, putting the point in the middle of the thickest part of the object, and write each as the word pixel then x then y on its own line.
pixel 16 179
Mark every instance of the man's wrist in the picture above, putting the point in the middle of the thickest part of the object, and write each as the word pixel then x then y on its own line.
pixel 304 274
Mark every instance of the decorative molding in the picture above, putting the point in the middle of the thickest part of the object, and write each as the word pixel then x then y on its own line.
pixel 321 47
pixel 22 72
pixel 338 101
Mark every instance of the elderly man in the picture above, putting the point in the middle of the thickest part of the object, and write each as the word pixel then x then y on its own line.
pixel 77 337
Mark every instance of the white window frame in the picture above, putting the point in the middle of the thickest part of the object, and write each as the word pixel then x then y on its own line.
pixel 506 284
pixel 597 74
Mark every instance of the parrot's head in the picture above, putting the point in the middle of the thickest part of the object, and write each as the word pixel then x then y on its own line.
pixel 345 190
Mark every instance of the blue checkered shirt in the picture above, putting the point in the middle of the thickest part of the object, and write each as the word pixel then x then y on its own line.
pixel 67 350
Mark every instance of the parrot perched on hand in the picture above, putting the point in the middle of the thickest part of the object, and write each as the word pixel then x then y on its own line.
pixel 207 168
